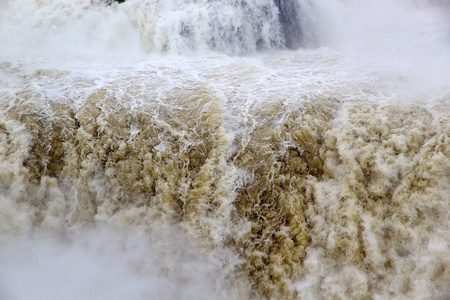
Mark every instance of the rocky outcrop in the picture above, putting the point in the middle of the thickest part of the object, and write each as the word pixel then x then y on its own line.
pixel 290 22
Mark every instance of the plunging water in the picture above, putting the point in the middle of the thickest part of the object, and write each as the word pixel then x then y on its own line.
pixel 177 150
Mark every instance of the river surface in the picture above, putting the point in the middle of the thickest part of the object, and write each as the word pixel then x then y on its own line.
pixel 175 150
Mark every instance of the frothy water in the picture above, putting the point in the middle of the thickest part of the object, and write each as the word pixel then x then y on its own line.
pixel 176 150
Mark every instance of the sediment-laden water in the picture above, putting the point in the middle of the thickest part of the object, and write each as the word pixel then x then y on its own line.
pixel 177 149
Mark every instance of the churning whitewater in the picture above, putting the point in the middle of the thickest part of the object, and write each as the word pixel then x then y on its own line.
pixel 226 149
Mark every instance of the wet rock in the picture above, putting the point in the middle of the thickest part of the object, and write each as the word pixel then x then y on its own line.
pixel 290 22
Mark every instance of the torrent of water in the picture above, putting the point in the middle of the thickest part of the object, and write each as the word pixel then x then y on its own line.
pixel 177 150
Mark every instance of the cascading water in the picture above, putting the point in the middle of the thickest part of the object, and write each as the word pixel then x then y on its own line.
pixel 177 150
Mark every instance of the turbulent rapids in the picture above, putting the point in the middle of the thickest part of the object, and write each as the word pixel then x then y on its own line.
pixel 177 150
